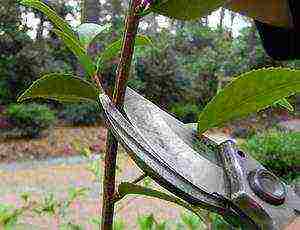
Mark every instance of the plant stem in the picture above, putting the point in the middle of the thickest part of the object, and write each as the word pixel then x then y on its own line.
pixel 131 26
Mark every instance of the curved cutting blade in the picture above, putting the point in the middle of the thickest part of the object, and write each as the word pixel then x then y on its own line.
pixel 161 146
pixel 171 153
pixel 177 145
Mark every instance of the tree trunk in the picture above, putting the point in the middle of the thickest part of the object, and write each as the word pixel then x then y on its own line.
pixel 40 29
pixel 153 28
pixel 90 11
pixel 232 17
pixel 222 16
pixel 252 45
pixel 116 12
pixel 205 21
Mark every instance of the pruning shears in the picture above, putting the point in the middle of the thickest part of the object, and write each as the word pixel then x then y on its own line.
pixel 206 172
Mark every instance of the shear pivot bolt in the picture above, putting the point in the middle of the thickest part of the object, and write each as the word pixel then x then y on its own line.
pixel 267 186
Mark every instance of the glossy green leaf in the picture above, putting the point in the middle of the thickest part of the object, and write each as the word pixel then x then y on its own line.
pixel 87 32
pixel 61 87
pixel 186 9
pixel 249 93
pixel 59 22
pixel 78 51
pixel 284 103
pixel 65 32
pixel 115 48
pixel 126 188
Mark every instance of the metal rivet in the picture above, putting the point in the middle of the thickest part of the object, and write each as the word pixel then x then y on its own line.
pixel 267 186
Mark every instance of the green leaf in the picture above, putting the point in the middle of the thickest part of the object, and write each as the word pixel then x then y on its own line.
pixel 65 32
pixel 146 222
pixel 59 22
pixel 8 217
pixel 87 32
pixel 75 193
pixel 126 188
pixel 186 9
pixel 249 93
pixel 191 221
pixel 78 51
pixel 115 48
pixel 95 221
pixel 71 226
pixel 61 87
pixel 284 103
pixel 119 225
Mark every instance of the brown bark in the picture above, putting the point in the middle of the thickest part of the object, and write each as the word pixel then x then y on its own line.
pixel 131 26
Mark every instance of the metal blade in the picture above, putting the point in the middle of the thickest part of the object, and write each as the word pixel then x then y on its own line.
pixel 177 145
pixel 159 164
pixel 171 153
pixel 181 150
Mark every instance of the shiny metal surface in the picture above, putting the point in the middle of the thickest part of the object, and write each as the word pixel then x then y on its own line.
pixel 171 153
pixel 163 168
pixel 265 214
pixel 268 187
pixel 177 145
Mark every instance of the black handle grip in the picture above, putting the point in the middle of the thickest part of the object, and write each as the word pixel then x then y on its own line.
pixel 282 43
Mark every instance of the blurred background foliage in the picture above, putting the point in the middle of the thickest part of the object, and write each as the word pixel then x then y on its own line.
pixel 188 64
pixel 277 151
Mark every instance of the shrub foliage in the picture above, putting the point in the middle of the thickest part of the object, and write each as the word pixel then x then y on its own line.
pixel 29 120
pixel 277 151
pixel 80 114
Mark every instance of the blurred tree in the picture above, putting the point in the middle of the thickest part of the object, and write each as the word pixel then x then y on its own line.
pixel 9 14
pixel 252 44
pixel 187 63
pixel 22 59
pixel 222 17
pixel 90 11
pixel 116 15
pixel 40 28
pixel 157 74
pixel 11 42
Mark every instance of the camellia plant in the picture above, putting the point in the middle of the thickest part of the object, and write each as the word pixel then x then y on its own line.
pixel 246 94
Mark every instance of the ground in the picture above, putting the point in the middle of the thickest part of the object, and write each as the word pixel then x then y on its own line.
pixel 40 178
pixel 59 142
pixel 57 175
pixel 293 125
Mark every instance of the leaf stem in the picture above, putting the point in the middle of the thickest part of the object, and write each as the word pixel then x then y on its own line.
pixel 123 70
